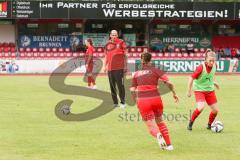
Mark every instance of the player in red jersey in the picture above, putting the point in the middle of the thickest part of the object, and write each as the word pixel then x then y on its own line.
pixel 89 63
pixel 204 85
pixel 145 92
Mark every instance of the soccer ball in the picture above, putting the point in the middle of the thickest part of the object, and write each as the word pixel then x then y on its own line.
pixel 65 109
pixel 217 126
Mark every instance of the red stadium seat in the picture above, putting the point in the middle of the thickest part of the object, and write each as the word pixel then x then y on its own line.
pixel 177 50
pixel 129 55
pixel 183 49
pixel 76 54
pixel 198 55
pixel 29 55
pixel 154 55
pixel 173 54
pixel 55 55
pixel 12 49
pixel 48 50
pixel 67 49
pixel 145 49
pixel 35 54
pixel 139 49
pixel 134 55
pixel 13 54
pixel 41 49
pixel 60 49
pixel 35 49
pixel 48 54
pixel 21 49
pixel 6 49
pixel 132 49
pixel 68 54
pixel 160 55
pixel 179 55
pixel 99 49
pixel 42 54
pixel 54 49
pixel 22 54
pixel 166 55
pixel 28 49
pixel 202 49
pixel 185 55
pixel 61 54
pixel 81 54
pixel 6 55
pixel 192 55
pixel 196 49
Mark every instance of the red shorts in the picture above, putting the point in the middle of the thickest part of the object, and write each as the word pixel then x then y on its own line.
pixel 208 97
pixel 150 108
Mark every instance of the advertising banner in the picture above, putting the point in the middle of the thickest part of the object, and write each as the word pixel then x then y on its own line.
pixel 188 66
pixel 41 66
pixel 49 41
pixel 180 41
pixel 77 65
pixel 130 39
pixel 99 39
pixel 119 10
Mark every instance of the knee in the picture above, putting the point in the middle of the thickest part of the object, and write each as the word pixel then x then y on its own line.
pixel 200 108
pixel 215 110
pixel 159 120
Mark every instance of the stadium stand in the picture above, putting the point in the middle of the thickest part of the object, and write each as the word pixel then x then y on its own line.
pixel 10 51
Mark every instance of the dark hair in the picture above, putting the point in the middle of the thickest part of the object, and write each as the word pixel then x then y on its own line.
pixel 146 57
pixel 90 41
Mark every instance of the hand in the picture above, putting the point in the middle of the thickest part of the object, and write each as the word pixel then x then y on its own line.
pixel 105 69
pixel 217 86
pixel 189 94
pixel 86 66
pixel 176 98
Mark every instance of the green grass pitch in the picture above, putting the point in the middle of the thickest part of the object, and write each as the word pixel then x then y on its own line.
pixel 29 129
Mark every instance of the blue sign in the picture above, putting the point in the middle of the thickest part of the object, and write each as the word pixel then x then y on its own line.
pixel 49 41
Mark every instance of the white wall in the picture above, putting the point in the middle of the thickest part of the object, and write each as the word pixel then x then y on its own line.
pixel 7 33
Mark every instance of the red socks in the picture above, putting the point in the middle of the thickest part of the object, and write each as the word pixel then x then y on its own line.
pixel 212 116
pixel 164 131
pixel 195 115
pixel 91 80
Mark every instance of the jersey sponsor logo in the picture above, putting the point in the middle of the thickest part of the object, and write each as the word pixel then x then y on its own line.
pixel 144 72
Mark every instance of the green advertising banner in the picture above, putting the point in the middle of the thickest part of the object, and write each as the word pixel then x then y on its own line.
pixel 188 66
pixel 180 41
pixel 130 39
pixel 99 39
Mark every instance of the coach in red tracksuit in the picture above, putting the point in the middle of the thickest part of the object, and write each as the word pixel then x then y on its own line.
pixel 115 65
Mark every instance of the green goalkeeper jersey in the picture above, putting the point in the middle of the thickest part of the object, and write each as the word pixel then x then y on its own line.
pixel 205 82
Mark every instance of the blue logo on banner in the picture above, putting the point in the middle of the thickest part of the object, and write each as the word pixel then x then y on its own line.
pixel 49 41
pixel 25 41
